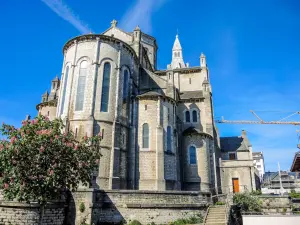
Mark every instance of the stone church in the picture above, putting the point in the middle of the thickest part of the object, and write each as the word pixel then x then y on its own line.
pixel 157 125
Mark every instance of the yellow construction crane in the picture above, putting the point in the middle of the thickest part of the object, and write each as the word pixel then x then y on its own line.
pixel 260 121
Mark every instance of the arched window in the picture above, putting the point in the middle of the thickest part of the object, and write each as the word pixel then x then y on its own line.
pixel 64 91
pixel 187 116
pixel 105 87
pixel 178 54
pixel 169 139
pixel 192 155
pixel 125 84
pixel 145 135
pixel 195 116
pixel 81 86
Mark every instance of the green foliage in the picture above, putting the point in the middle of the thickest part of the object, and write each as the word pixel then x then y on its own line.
pixel 220 203
pixel 152 223
pixel 38 162
pixel 284 210
pixel 247 202
pixel 134 222
pixel 294 194
pixel 192 220
pixel 257 192
pixel 82 207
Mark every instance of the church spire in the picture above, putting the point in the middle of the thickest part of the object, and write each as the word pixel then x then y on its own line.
pixel 177 58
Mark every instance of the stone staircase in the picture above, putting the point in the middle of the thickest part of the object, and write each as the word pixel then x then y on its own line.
pixel 216 215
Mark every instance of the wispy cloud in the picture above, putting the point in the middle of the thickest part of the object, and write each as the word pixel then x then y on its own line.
pixel 141 14
pixel 65 12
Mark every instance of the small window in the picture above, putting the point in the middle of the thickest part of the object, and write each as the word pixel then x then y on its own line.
pixel 192 155
pixel 145 107
pixel 190 80
pixel 187 116
pixel 194 114
pixel 48 113
pixel 232 156
pixel 102 133
pixel 145 135
pixel 76 132
pixel 178 54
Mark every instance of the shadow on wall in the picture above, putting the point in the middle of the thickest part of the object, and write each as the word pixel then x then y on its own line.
pixel 104 210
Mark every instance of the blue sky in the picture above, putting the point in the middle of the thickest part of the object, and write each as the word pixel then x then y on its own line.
pixel 252 49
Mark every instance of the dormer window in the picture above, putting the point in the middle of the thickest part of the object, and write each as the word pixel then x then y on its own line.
pixel 232 156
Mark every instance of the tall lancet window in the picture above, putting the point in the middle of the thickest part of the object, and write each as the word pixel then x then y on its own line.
pixel 105 87
pixel 195 116
pixel 125 84
pixel 81 86
pixel 169 139
pixel 192 155
pixel 64 91
pixel 187 116
pixel 145 135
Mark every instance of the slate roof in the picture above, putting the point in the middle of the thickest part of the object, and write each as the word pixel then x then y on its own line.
pixel 151 93
pixel 231 144
pixel 191 95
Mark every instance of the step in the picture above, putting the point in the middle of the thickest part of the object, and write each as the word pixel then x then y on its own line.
pixel 214 223
pixel 216 218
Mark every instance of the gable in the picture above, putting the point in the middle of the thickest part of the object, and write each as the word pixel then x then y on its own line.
pixel 118 33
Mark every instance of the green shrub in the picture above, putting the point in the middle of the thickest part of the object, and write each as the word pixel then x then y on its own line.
pixel 294 194
pixel 284 210
pixel 191 220
pixel 257 192
pixel 247 202
pixel 220 203
pixel 134 222
pixel 82 207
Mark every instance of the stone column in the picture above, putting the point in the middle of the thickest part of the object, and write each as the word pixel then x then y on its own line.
pixel 160 170
pixel 72 79
pixel 114 176
pixel 96 64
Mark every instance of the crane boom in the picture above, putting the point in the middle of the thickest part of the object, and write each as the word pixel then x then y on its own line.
pixel 260 121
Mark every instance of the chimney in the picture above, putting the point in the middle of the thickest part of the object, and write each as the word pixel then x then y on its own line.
pixel 244 133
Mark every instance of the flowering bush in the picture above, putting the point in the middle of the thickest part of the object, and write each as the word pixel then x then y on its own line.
pixel 38 162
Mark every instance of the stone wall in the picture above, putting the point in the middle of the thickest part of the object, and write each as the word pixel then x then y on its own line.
pixel 276 204
pixel 29 214
pixel 145 206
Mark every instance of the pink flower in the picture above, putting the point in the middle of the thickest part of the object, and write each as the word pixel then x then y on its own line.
pixel 56 136
pixel 1 147
pixel 27 131
pixel 76 147
pixel 22 134
pixel 13 139
pixel 6 185
pixel 24 122
pixel 51 140
pixel 100 134
pixel 32 121
pixel 85 137
pixel 42 149
pixel 97 161
pixel 51 172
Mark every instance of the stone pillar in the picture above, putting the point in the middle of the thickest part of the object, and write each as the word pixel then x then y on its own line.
pixel 72 78
pixel 96 64
pixel 114 176
pixel 203 162
pixel 160 170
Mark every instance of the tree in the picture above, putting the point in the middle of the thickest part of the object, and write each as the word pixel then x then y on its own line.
pixel 38 162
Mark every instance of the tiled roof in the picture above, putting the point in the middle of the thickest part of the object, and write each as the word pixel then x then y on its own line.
pixel 230 144
pixel 191 95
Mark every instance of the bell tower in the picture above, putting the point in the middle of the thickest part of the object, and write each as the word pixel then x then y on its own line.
pixel 177 57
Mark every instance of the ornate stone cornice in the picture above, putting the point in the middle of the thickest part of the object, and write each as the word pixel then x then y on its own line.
pixel 48 103
pixel 102 38
pixel 180 70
